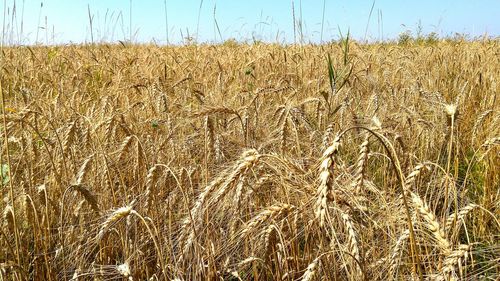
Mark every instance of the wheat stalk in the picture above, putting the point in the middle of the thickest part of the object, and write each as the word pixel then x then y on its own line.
pixel 69 136
pixel 353 244
pixel 394 259
pixel 87 195
pixel 114 217
pixel 81 177
pixel 215 110
pixel 139 156
pixel 190 219
pixel 452 260
pixel 283 135
pixel 328 137
pixel 219 154
pixel 326 180
pixel 361 166
pixel 8 216
pixel 270 212
pixel 455 217
pixel 410 179
pixel 270 234
pixel 239 192
pixel 250 159
pixel 151 179
pixel 125 147
pixel 209 139
pixel 224 182
pixel 478 122
pixel 431 223
pixel 87 140
pixel 311 269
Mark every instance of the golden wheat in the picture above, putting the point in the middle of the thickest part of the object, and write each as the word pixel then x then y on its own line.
pixel 228 163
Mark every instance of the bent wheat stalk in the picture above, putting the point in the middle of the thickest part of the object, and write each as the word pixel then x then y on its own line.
pixel 114 217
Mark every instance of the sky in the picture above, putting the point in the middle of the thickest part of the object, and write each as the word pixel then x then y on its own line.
pixel 145 21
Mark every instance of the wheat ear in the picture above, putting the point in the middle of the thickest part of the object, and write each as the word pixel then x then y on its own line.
pixel 151 179
pixel 81 177
pixel 410 179
pixel 125 147
pixel 455 217
pixel 361 165
pixel 431 223
pixel 353 243
pixel 117 215
pixel 87 195
pixel 326 180
pixel 8 216
pixel 250 159
pixel 270 212
pixel 69 136
pixel 453 260
pixel 394 259
pixel 311 269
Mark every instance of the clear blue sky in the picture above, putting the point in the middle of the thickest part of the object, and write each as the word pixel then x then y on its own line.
pixel 64 21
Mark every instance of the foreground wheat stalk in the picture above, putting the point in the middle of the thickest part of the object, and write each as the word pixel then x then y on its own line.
pixel 326 181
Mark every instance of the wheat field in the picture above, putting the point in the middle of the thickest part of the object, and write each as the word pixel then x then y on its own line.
pixel 342 161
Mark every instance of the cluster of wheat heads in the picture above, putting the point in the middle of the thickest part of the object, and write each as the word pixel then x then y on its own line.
pixel 249 162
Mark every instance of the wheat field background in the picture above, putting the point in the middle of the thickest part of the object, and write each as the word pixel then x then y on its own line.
pixel 342 161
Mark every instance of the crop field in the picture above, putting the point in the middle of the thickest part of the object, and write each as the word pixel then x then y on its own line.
pixel 342 161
